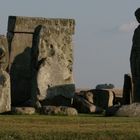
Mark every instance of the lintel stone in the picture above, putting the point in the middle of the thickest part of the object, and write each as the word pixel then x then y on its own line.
pixel 28 24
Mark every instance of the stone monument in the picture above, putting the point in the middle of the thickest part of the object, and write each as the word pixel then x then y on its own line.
pixel 127 89
pixel 22 71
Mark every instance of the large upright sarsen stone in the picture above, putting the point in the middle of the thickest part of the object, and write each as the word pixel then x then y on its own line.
pixel 135 60
pixel 53 60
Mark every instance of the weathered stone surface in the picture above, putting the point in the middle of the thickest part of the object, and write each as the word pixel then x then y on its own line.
pixel 59 110
pixel 4 53
pixel 83 106
pixel 135 60
pixel 20 67
pixel 5 96
pixel 132 110
pixel 103 98
pixel 53 60
pixel 127 89
pixel 28 24
pixel 20 45
pixel 86 95
pixel 23 110
pixel 66 90
pixel 20 36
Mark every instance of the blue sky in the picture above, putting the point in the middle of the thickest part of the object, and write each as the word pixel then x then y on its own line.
pixel 103 37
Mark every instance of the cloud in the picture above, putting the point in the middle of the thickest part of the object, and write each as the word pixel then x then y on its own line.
pixel 128 27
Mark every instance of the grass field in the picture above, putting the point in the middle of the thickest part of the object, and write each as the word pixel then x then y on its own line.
pixel 82 127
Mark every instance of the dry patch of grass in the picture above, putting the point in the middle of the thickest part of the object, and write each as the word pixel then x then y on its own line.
pixel 83 127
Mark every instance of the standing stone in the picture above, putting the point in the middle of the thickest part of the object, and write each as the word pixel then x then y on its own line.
pixel 127 89
pixel 53 60
pixel 5 97
pixel 20 36
pixel 135 59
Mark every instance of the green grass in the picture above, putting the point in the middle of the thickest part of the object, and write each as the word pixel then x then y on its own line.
pixel 82 127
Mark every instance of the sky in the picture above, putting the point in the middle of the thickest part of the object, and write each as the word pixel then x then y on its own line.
pixel 103 34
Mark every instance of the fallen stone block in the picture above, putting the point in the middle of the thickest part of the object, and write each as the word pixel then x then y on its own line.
pixel 86 95
pixel 83 106
pixel 59 110
pixel 23 110
pixel 132 110
pixel 103 98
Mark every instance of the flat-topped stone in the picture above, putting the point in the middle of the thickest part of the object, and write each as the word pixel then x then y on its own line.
pixel 28 24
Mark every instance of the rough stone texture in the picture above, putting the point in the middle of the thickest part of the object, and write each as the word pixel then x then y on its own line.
pixel 23 110
pixel 20 68
pixel 127 89
pixel 118 96
pixel 20 47
pixel 86 95
pixel 20 36
pixel 53 60
pixel 28 24
pixel 103 98
pixel 132 110
pixel 66 90
pixel 59 110
pixel 4 53
pixel 83 106
pixel 135 60
pixel 5 94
